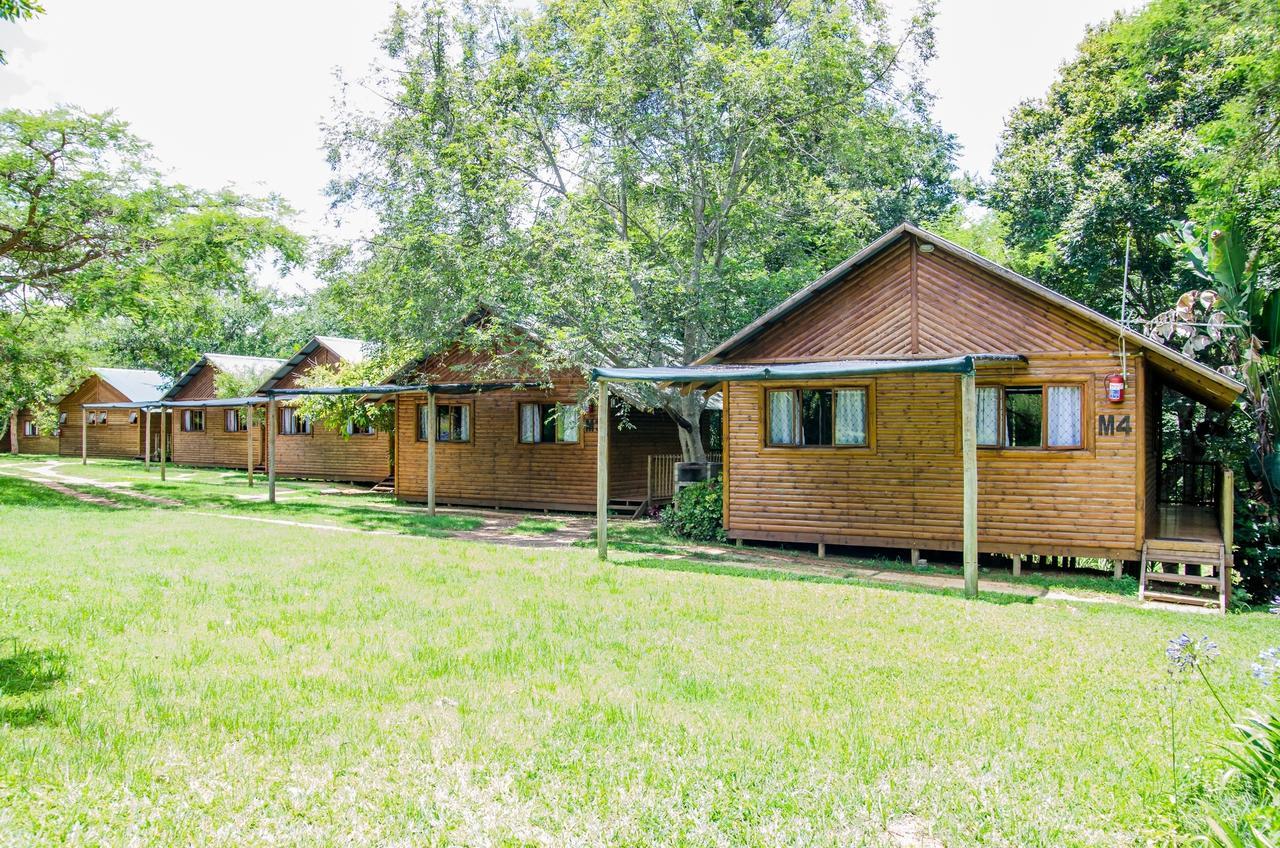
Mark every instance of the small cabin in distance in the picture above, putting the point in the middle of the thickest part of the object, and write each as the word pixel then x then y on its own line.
pixel 216 435
pixel 521 445
pixel 311 449
pixel 110 433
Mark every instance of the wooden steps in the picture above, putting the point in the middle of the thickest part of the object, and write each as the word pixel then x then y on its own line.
pixel 387 486
pixel 1159 554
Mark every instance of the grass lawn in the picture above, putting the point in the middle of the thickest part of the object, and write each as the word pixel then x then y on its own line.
pixel 177 676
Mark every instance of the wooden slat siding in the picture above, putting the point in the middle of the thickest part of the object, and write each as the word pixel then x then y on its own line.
pixel 965 309
pixel 40 443
pixel 201 386
pixel 117 439
pixel 328 454
pixel 320 356
pixel 650 433
pixel 495 469
pixel 872 318
pixel 906 489
pixel 214 447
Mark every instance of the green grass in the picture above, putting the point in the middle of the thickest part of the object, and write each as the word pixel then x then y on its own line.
pixel 174 678
pixel 528 526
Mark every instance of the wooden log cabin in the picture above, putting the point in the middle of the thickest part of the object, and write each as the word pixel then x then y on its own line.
pixel 844 422
pixel 313 450
pixel 213 435
pixel 505 441
pixel 109 433
pixel 25 436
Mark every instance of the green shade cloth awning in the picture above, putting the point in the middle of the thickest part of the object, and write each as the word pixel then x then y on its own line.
pixel 800 370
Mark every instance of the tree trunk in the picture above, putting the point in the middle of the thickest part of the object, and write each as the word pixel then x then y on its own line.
pixel 13 432
pixel 689 407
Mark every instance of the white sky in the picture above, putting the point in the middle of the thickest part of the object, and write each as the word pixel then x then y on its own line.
pixel 232 93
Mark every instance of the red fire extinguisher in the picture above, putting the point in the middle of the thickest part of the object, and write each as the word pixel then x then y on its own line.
pixel 1115 388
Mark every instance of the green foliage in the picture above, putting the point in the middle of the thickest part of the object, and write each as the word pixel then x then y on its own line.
pixel 15 10
pixel 92 238
pixel 635 180
pixel 1166 114
pixel 237 384
pixel 1257 539
pixel 696 512
pixel 337 411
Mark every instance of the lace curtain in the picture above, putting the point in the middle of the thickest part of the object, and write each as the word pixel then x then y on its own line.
pixel 530 425
pixel 851 417
pixel 1064 416
pixel 988 415
pixel 782 418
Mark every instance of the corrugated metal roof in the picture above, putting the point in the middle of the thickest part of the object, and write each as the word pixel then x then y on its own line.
pixel 137 384
pixel 241 366
pixel 348 350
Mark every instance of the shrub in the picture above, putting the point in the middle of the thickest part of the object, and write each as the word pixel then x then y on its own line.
pixel 695 513
pixel 1257 537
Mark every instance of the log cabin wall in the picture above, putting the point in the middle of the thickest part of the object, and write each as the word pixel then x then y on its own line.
pixel 495 469
pixel 118 438
pixel 39 443
pixel 905 489
pixel 214 446
pixel 327 454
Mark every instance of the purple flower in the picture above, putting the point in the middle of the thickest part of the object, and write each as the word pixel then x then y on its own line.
pixel 1268 667
pixel 1185 653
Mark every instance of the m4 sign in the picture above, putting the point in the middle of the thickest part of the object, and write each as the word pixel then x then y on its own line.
pixel 1109 425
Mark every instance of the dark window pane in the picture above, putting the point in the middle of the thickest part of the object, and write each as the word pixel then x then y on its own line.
pixel 1023 412
pixel 815 416
pixel 548 413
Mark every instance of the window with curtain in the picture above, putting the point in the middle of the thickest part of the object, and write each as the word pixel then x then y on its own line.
pixel 133 417
pixel 354 429
pixel 293 423
pixel 193 420
pixel 453 422
pixel 817 417
pixel 29 428
pixel 988 416
pixel 1030 416
pixel 549 422
pixel 1064 404
pixel 233 421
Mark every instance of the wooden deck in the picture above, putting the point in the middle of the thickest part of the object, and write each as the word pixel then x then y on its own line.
pixel 1188 524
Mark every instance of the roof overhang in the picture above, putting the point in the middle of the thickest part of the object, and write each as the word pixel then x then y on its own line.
pixel 710 375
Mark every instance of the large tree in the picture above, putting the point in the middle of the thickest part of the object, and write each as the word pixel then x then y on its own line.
pixel 1168 113
pixel 89 233
pixel 637 180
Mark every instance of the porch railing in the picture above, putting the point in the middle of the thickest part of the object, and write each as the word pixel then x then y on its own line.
pixel 662 475
pixel 1190 482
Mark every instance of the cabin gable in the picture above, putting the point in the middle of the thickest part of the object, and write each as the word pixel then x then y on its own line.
pixel 200 386
pixel 904 302
pixel 321 356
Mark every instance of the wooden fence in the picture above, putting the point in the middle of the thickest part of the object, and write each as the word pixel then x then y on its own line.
pixel 662 475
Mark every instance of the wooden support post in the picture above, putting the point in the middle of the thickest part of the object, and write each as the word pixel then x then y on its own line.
pixel 915 557
pixel 84 436
pixel 432 424
pixel 822 550
pixel 602 472
pixel 146 450
pixel 1017 565
pixel 271 449
pixel 164 418
pixel 1117 569
pixel 1227 503
pixel 969 440
pixel 248 431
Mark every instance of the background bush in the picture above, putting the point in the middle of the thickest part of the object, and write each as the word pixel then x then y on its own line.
pixel 695 513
